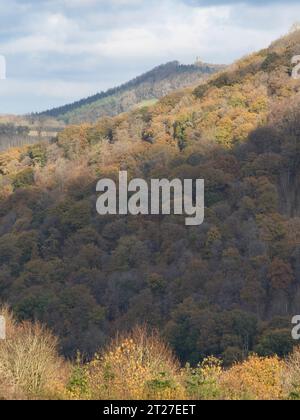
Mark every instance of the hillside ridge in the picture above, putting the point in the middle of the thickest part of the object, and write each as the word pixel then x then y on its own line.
pixel 153 84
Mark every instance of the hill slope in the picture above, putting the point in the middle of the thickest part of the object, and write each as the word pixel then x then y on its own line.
pixel 228 287
pixel 149 86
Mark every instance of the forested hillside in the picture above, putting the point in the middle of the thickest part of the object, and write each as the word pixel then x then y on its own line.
pixel 148 87
pixel 226 288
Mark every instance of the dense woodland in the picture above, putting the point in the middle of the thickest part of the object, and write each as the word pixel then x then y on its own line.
pixel 150 86
pixel 226 288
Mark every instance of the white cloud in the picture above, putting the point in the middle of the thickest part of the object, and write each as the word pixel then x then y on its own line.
pixel 81 45
pixel 57 89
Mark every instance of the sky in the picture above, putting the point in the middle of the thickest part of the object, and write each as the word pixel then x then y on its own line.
pixel 59 51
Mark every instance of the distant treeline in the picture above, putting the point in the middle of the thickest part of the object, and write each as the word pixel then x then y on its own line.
pixel 6 142
pixel 10 129
pixel 159 73
pixel 14 135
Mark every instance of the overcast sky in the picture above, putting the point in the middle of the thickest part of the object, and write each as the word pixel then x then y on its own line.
pixel 58 51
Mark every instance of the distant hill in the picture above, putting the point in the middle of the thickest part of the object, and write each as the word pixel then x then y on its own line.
pixel 227 288
pixel 140 91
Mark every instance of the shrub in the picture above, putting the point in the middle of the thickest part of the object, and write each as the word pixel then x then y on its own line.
pixel 292 375
pixel 139 366
pixel 180 127
pixel 255 379
pixel 201 90
pixel 203 382
pixel 276 342
pixel 38 154
pixel 271 62
pixel 23 179
pixel 275 60
pixel 29 363
pixel 78 386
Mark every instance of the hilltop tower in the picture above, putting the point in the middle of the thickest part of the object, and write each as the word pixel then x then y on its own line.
pixel 198 62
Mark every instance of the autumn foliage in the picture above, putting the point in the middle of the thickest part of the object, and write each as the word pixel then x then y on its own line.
pixel 29 363
pixel 135 366
pixel 228 288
